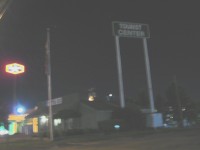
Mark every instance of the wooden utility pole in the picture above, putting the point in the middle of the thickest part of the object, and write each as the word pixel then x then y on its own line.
pixel 48 72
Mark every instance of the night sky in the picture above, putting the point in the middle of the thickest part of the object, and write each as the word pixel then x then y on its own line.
pixel 83 47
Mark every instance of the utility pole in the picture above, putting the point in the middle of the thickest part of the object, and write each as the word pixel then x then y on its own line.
pixel 48 72
pixel 178 103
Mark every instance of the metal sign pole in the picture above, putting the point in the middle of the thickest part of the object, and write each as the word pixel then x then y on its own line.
pixel 148 75
pixel 120 78
pixel 14 93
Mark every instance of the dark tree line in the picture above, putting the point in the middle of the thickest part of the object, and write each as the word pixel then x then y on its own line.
pixel 4 112
pixel 176 101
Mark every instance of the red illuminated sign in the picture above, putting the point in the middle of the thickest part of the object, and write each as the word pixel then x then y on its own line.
pixel 15 68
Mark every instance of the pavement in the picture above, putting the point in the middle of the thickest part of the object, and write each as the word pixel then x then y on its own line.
pixel 176 140
pixel 187 139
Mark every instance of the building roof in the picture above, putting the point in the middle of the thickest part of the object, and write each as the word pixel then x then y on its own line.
pixel 99 105
pixel 71 103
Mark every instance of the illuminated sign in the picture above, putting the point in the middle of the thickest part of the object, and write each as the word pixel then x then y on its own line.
pixel 126 29
pixel 17 118
pixel 35 125
pixel 15 68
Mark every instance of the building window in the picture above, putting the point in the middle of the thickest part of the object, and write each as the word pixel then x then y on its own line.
pixel 57 122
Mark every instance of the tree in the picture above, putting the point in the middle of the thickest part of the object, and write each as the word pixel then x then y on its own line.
pixel 131 116
pixel 182 105
pixel 160 103
pixel 4 116
pixel 191 111
pixel 143 100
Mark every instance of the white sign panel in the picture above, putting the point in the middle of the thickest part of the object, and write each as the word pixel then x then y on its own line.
pixel 136 30
pixel 55 101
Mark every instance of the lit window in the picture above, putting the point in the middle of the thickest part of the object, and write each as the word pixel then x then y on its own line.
pixel 57 122
pixel 44 119
pixel 35 125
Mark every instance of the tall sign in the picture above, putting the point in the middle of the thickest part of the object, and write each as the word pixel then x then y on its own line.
pixel 15 69
pixel 133 30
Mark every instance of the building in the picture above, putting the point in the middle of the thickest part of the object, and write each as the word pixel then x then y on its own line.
pixel 71 112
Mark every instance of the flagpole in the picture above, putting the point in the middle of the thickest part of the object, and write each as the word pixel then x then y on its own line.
pixel 48 72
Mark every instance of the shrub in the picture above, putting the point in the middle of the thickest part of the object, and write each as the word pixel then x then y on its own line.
pixel 132 118
pixel 107 125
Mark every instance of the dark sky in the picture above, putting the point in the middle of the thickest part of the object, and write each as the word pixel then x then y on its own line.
pixel 83 48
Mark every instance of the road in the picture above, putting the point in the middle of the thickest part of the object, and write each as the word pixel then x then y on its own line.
pixel 184 139
pixel 178 140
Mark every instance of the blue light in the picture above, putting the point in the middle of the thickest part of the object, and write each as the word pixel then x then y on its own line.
pixel 117 126
pixel 20 109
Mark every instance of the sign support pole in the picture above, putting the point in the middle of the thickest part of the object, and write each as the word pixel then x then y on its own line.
pixel 120 78
pixel 148 75
pixel 137 30
pixel 14 93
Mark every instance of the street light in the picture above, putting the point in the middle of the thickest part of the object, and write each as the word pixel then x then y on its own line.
pixel 21 109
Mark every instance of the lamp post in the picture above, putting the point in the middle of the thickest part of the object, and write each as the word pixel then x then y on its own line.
pixel 15 69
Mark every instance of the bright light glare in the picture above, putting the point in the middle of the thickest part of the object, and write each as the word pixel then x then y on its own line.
pixel 91 98
pixel 117 126
pixel 15 68
pixel 57 122
pixel 110 95
pixel 3 131
pixel 21 110
pixel 44 119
